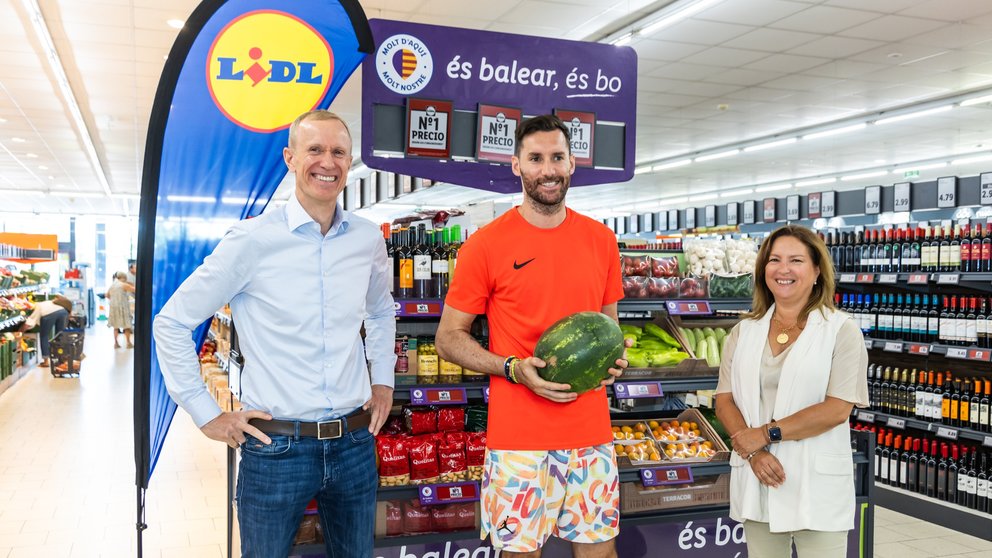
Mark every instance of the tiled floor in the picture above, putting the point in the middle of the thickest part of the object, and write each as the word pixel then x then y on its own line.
pixel 67 476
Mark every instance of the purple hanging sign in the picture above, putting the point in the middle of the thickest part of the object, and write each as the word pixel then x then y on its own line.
pixel 539 75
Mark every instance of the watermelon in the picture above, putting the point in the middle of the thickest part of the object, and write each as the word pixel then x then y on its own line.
pixel 578 350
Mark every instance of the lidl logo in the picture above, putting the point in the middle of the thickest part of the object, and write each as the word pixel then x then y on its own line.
pixel 404 64
pixel 267 67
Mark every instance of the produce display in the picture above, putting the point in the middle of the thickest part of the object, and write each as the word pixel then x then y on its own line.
pixel 731 286
pixel 579 349
pixel 706 342
pixel 653 347
pixel 709 268
pixel 12 278
pixel 663 440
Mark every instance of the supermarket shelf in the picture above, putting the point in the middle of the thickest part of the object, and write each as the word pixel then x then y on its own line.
pixel 970 353
pixel 21 290
pixel 939 430
pixel 418 307
pixel 15 321
pixel 660 304
pixel 935 511
pixel 970 279
pixel 477 391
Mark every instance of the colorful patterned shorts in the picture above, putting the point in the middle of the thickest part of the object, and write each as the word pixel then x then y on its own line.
pixel 528 496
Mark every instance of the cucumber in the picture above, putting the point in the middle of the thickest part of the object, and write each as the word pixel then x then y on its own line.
pixel 690 337
pixel 713 353
pixel 702 350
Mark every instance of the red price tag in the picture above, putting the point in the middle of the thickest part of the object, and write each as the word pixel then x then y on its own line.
pixel 866 278
pixel 433 494
pixel 666 475
pixel 919 278
pixel 688 307
pixel 633 390
pixel 979 354
pixel 917 349
pixel 421 309
pixel 438 396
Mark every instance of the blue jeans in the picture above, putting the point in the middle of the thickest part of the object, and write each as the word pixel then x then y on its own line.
pixel 276 482
pixel 50 326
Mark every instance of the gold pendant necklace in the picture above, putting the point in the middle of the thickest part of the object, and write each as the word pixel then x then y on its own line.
pixel 783 336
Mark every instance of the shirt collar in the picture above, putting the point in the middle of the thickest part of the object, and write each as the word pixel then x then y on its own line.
pixel 296 217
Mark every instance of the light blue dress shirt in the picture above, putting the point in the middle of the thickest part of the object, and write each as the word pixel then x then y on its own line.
pixel 298 300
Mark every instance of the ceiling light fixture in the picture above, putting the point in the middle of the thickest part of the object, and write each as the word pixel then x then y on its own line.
pixel 670 201
pixel 12 192
pixel 705 197
pixel 126 196
pixel 642 170
pixel 672 165
pixel 738 192
pixel 55 63
pixel 836 131
pixel 815 182
pixel 18 140
pixel 977 101
pixel 863 175
pixel 73 194
pixel 901 170
pixel 30 155
pixel 769 145
pixel 917 114
pixel 622 39
pixel 720 155
pixel 975 159
pixel 773 188
pixel 191 199
pixel 676 12
pixel 175 23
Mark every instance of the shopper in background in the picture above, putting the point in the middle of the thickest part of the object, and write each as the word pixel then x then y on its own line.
pixel 523 272
pixel 50 316
pixel 120 317
pixel 132 271
pixel 793 370
pixel 300 281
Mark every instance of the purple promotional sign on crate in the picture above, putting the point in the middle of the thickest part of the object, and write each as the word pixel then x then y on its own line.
pixel 536 74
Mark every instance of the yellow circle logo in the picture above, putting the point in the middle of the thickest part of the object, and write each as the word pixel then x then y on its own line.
pixel 268 67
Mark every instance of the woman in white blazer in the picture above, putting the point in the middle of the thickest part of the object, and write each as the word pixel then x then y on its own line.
pixel 795 367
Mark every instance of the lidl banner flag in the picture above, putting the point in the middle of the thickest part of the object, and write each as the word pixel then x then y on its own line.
pixel 239 73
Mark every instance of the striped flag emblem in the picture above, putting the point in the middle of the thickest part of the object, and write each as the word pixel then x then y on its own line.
pixel 405 63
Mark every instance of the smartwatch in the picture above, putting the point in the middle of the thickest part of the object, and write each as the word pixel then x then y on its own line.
pixel 774 433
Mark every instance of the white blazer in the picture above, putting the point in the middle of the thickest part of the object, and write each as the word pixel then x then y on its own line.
pixel 818 492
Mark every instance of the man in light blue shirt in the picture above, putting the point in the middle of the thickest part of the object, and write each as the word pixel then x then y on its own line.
pixel 301 281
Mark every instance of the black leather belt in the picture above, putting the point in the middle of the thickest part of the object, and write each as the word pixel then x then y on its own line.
pixel 325 430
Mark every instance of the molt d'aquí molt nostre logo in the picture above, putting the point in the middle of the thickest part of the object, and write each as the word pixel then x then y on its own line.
pixel 267 67
pixel 404 64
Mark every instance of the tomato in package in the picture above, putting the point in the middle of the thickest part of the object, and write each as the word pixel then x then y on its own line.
pixel 638 266
pixel 663 287
pixel 693 287
pixel 420 420
pixel 635 287
pixel 665 266
pixel 451 419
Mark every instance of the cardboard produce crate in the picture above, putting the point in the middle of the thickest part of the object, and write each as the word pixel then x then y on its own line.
pixel 705 491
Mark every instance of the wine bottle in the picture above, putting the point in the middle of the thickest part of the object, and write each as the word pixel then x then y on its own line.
pixel 963 479
pixel 982 487
pixel 912 467
pixel 952 474
pixel 942 473
pixel 405 254
pixel 422 265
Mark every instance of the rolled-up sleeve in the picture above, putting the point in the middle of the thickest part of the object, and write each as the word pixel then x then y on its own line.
pixel 380 320
pixel 212 285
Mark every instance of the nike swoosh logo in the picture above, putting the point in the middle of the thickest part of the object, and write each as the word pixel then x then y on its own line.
pixel 519 265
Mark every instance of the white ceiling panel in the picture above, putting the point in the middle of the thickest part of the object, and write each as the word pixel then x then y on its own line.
pixel 665 50
pixel 824 19
pixel 957 10
pixel 893 28
pixel 787 63
pixel 835 47
pixel 742 77
pixel 702 32
pixel 753 12
pixel 726 57
pixel 771 40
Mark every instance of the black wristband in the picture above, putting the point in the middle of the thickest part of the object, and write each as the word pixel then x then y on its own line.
pixel 506 369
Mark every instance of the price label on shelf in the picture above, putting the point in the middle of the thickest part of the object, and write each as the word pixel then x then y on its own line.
pixel 865 278
pixel 866 417
pixel 749 212
pixel 848 277
pixel 894 422
pixel 688 307
pixel 636 390
pixel 918 278
pixel 691 400
pixel 986 180
pixel 419 308
pixel 710 216
pixel 690 218
pixel 792 208
pixel 957 352
pixel 662 476
pixel 732 213
pixel 888 278
pixel 949 433
pixel 947 191
pixel 813 205
pixel 438 396
pixel 979 354
pixel 485 395
pixel 919 349
pixel 901 199
pixel 869 344
pixel 948 278
pixel 828 204
pixel 892 347
pixel 873 200
pixel 987 442
pixel 451 493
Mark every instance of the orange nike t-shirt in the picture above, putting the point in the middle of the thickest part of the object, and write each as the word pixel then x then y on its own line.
pixel 525 278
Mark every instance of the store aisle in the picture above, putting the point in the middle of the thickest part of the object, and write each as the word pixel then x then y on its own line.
pixel 67 476
pixel 67 469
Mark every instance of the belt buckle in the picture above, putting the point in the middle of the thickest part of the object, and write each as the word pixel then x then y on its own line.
pixel 329 430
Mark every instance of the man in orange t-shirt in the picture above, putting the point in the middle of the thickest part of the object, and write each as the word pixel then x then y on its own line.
pixel 550 466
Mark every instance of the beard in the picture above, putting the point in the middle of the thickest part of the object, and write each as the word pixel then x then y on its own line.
pixel 545 202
